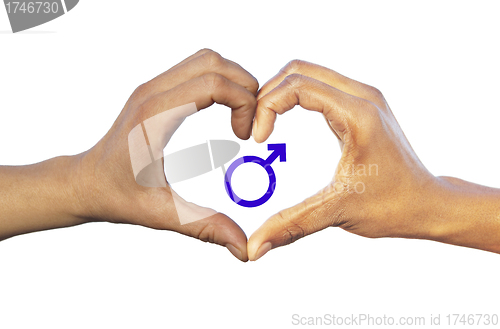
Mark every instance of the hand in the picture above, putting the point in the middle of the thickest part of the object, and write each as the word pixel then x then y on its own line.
pixel 108 191
pixel 380 187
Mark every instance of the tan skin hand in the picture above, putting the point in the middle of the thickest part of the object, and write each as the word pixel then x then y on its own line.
pixel 380 187
pixel 108 190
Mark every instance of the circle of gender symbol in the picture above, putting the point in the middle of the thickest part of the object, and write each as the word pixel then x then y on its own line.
pixel 279 151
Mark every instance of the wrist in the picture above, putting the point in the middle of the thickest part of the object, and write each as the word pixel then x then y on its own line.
pixel 64 176
pixel 76 187
pixel 38 197
pixel 102 192
pixel 462 213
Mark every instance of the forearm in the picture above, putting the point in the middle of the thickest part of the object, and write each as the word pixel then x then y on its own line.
pixel 466 214
pixel 38 197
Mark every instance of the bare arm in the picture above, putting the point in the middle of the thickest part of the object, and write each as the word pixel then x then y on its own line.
pixel 39 197
pixel 99 184
pixel 380 187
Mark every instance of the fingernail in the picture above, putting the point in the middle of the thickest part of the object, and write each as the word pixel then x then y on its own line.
pixel 236 253
pixel 263 249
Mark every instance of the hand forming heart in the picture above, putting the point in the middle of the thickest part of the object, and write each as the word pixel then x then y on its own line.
pixel 380 187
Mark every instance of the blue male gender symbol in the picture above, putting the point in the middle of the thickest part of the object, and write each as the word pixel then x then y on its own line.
pixel 279 150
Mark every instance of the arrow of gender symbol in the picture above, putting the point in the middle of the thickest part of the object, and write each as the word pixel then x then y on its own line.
pixel 279 150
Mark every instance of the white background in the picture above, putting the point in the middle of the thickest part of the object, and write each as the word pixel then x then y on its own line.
pixel 63 84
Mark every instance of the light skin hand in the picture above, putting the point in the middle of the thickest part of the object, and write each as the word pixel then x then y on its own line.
pixel 399 197
pixel 99 185
pixel 203 78
pixel 380 187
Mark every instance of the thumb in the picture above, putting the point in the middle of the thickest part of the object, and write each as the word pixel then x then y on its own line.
pixel 221 230
pixel 289 225
pixel 209 226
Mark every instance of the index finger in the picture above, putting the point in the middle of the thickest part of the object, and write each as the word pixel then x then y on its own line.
pixel 327 76
pixel 339 108
pixel 203 62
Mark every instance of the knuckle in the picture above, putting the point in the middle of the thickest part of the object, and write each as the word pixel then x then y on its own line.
pixel 249 107
pixel 141 90
pixel 252 103
pixel 293 66
pixel 291 230
pixel 206 234
pixel 273 106
pixel 375 92
pixel 369 120
pixel 151 105
pixel 213 59
pixel 213 80
pixel 254 85
pixel 294 79
pixel 203 51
